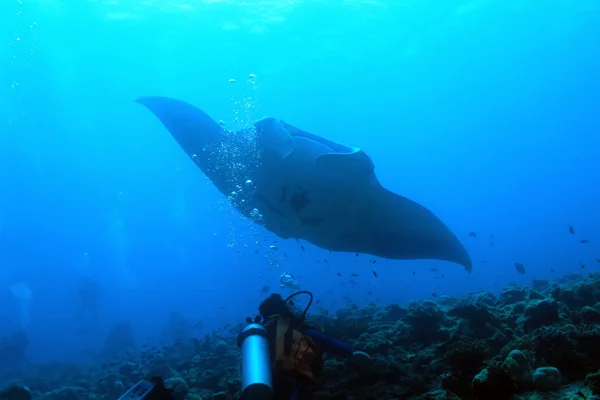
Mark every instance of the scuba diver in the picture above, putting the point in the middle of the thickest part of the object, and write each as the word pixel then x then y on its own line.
pixel 281 356
pixel 296 348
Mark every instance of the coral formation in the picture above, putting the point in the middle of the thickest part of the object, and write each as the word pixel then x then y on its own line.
pixel 527 343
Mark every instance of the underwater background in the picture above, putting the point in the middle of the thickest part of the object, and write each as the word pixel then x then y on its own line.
pixel 486 112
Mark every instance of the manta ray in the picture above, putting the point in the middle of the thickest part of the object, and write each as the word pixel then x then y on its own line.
pixel 303 186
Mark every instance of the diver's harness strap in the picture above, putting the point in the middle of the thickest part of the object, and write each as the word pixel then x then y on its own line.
pixel 285 332
pixel 284 358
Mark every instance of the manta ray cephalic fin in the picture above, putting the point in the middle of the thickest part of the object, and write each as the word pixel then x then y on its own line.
pixel 275 137
pixel 357 162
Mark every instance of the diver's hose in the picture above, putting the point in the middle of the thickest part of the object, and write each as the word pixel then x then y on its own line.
pixel 291 296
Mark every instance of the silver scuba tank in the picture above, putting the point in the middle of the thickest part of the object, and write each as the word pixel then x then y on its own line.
pixel 257 381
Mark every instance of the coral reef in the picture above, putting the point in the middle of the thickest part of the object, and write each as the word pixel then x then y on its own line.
pixel 541 342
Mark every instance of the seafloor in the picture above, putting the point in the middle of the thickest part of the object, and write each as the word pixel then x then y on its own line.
pixel 528 343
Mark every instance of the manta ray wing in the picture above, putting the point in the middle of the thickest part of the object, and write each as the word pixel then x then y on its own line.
pixel 399 228
pixel 357 214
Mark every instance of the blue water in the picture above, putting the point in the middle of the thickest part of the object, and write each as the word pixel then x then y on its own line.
pixel 487 112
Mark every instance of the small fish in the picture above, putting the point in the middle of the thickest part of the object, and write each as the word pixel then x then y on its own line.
pixel 582 266
pixel 598 260
pixel 325 260
pixel 414 272
pixel 353 274
pixel 338 274
pixel 356 254
pixel 571 230
pixel 302 247
pixel 374 274
pixel 491 235
pixel 584 241
pixel 492 244
pixel 434 294
pixel 370 292
pixel 520 268
pixel 373 261
pixel 551 269
pixel 329 251
pixel 434 270
pixel 580 394
pixel 285 255
pixel 473 234
pixel 265 289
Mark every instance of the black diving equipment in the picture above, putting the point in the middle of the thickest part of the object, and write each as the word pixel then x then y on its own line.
pixel 154 389
pixel 291 296
pixel 256 362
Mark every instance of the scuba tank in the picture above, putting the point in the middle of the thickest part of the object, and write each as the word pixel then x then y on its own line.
pixel 256 362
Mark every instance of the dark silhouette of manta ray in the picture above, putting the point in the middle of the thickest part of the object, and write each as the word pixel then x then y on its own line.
pixel 306 187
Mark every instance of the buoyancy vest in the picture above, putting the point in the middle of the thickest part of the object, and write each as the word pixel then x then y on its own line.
pixel 293 351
